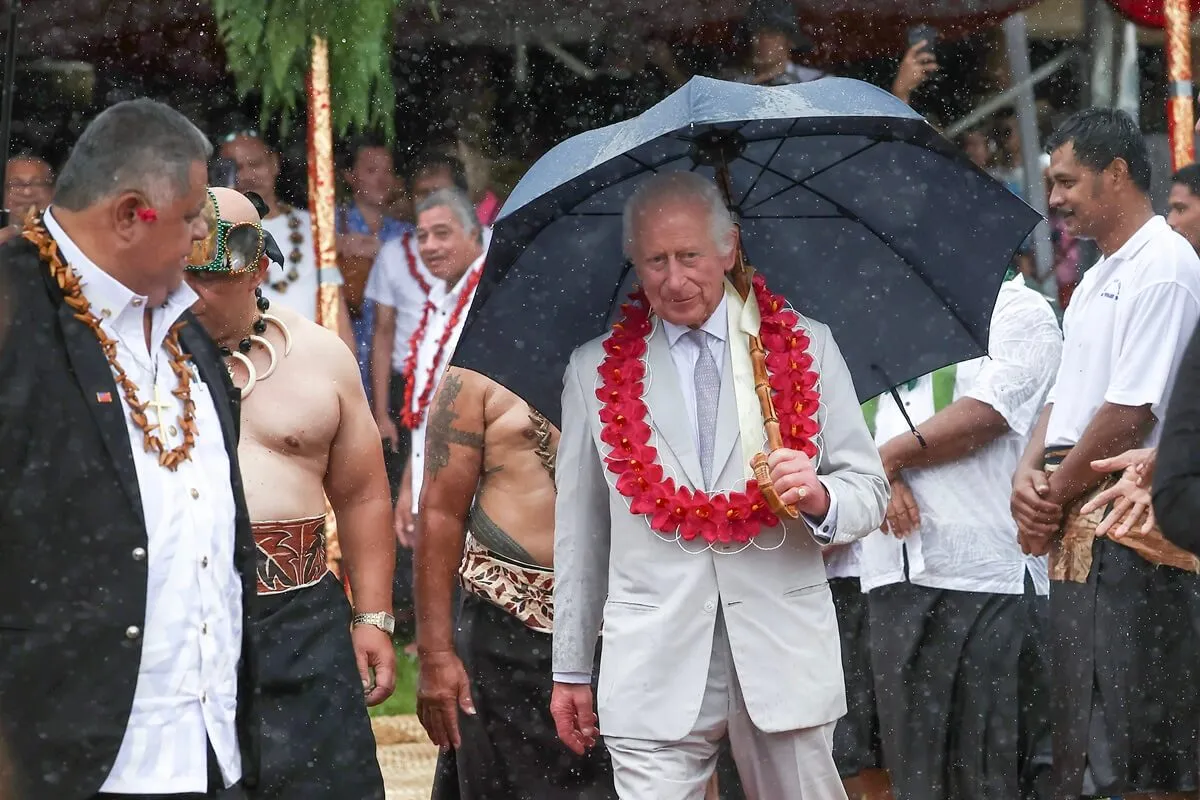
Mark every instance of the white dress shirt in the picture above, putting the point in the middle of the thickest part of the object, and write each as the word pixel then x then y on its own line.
pixel 967 539
pixel 301 294
pixel 1126 328
pixel 393 284
pixel 443 300
pixel 191 638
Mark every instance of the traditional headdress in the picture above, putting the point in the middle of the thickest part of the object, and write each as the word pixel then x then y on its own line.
pixel 232 248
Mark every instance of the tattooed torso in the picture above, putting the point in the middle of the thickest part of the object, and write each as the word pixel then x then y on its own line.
pixel 515 485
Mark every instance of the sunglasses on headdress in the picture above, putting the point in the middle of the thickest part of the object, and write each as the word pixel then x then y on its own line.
pixel 232 248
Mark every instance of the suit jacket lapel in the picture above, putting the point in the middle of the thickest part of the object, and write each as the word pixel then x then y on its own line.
pixel 103 399
pixel 209 369
pixel 668 415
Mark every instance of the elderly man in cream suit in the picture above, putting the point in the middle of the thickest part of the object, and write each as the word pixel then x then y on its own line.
pixel 704 640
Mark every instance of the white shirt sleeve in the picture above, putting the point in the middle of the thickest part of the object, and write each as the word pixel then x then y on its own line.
pixel 1025 348
pixel 379 284
pixel 1151 332
pixel 824 530
pixel 572 677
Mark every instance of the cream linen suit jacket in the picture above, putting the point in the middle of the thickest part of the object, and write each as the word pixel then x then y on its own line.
pixel 658 603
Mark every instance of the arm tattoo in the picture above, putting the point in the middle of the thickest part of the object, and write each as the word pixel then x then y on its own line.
pixel 442 432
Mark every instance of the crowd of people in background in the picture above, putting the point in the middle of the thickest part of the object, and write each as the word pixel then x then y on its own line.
pixel 947 616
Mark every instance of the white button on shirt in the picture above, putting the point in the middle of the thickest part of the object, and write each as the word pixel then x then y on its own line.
pixel 1126 328
pixel 444 300
pixel 164 750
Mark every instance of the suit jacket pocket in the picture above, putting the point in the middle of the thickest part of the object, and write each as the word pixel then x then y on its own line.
pixel 628 605
pixel 804 591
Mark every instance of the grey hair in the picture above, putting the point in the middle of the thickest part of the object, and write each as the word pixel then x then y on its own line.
pixel 459 204
pixel 139 145
pixel 664 187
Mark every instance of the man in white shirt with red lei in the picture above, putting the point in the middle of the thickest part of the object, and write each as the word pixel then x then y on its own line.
pixel 127 566
pixel 955 607
pixel 1124 685
pixel 399 285
pixel 450 243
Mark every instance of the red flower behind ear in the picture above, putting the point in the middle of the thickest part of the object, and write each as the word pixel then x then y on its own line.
pixel 147 214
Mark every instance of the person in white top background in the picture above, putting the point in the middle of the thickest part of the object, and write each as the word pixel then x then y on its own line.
pixel 127 569
pixel 450 240
pixel 398 286
pixel 294 283
pixel 953 602
pixel 1124 687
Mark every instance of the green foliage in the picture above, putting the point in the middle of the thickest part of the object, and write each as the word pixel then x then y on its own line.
pixel 268 45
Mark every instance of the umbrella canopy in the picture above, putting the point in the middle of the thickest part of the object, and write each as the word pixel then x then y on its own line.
pixel 850 204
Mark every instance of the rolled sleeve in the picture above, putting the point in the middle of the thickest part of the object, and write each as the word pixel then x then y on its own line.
pixel 1151 332
pixel 1024 351
pixel 380 288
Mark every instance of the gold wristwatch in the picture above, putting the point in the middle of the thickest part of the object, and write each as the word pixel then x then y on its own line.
pixel 380 619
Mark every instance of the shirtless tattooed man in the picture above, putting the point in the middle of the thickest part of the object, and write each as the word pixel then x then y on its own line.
pixel 487 521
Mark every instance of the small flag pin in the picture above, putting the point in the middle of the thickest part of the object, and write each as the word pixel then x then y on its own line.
pixel 103 397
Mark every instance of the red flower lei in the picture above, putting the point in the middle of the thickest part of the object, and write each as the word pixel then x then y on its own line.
pixel 677 510
pixel 406 246
pixel 411 416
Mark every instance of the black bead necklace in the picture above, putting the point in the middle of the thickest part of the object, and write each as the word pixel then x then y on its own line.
pixel 260 326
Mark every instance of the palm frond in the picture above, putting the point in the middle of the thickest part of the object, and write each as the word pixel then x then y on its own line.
pixel 267 45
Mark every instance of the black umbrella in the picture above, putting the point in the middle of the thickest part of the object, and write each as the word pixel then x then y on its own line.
pixel 850 204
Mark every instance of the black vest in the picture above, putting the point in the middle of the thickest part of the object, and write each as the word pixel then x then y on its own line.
pixel 70 520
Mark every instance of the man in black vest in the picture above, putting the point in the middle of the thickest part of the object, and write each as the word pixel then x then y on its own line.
pixel 126 561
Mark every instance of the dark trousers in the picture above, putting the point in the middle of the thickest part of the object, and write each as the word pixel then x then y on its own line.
pixel 394 460
pixel 510 749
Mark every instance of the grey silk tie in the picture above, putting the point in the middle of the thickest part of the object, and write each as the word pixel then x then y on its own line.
pixel 708 392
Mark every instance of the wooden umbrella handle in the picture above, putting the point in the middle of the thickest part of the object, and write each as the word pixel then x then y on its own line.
pixel 762 472
pixel 740 277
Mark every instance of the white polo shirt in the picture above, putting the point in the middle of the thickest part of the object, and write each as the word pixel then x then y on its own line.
pixel 1126 328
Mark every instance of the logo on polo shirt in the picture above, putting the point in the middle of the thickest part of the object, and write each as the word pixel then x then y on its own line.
pixel 1112 291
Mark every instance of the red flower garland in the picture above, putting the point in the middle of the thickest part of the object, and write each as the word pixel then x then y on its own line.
pixel 406 246
pixel 411 416
pixel 670 509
